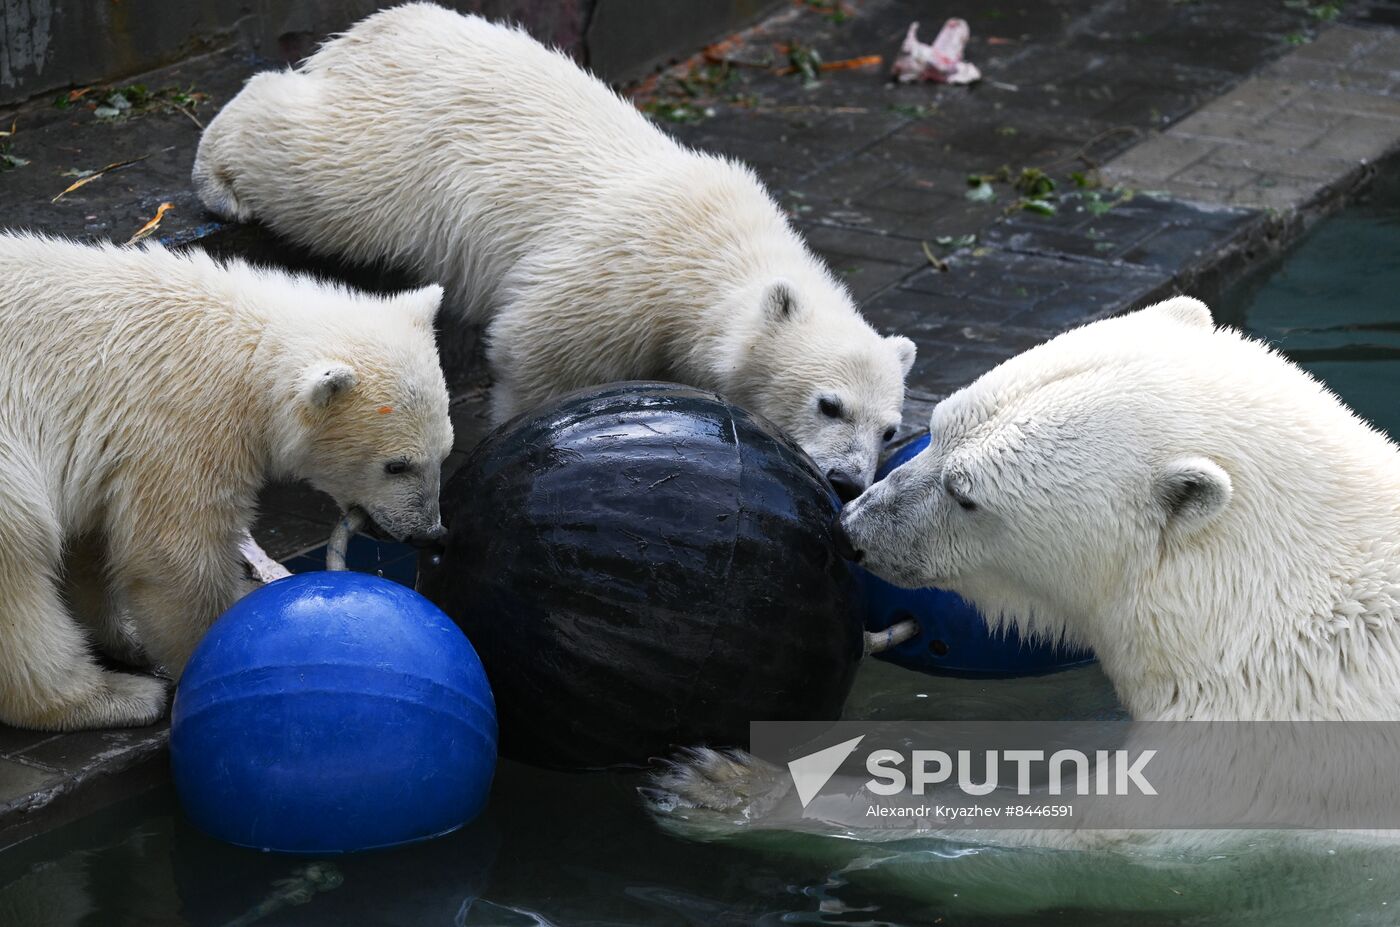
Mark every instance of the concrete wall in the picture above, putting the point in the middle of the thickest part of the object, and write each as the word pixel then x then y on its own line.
pixel 630 37
pixel 46 45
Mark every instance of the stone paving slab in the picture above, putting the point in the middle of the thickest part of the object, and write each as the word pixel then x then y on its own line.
pixel 46 779
pixel 991 304
pixel 1280 139
pixel 1137 229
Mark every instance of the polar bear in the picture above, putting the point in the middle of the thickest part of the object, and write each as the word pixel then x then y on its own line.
pixel 593 246
pixel 1210 519
pixel 145 397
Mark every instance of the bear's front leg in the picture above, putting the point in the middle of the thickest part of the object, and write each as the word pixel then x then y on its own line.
pixel 177 587
pixel 48 680
pixel 93 600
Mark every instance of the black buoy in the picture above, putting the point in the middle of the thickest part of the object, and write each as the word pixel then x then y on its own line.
pixel 644 566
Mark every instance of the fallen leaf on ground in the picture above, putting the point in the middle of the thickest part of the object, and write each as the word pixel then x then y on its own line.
pixel 802 60
pixel 89 178
pixel 845 64
pixel 12 130
pixel 981 193
pixel 851 64
pixel 938 264
pixel 152 225
pixel 717 52
pixel 188 114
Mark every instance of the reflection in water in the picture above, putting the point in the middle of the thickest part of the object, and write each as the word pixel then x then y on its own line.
pixel 299 888
pixel 576 849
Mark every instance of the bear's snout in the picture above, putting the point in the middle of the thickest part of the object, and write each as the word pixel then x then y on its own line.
pixel 842 540
pixel 847 486
pixel 431 535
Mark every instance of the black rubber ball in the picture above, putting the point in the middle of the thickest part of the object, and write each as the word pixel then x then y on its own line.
pixel 644 566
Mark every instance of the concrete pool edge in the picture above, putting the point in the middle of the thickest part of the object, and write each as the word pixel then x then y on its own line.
pixel 67 776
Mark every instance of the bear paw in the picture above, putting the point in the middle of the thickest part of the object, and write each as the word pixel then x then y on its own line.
pixel 726 781
pixel 119 700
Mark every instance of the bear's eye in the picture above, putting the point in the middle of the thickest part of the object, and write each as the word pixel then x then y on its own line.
pixel 829 407
pixel 396 467
pixel 889 434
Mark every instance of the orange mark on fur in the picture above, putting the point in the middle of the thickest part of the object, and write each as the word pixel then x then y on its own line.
pixel 385 410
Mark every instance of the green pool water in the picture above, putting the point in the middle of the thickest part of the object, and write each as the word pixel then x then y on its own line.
pixel 578 850
pixel 1333 304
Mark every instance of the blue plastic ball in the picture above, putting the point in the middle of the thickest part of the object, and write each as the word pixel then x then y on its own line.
pixel 332 712
pixel 953 638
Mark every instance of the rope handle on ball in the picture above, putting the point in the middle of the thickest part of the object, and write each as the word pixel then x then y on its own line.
pixel 352 521
pixel 260 568
pixel 893 636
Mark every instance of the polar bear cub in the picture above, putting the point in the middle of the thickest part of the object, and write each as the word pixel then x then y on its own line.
pixel 594 246
pixel 145 397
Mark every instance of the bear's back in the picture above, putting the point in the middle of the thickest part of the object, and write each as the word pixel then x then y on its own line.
pixel 488 88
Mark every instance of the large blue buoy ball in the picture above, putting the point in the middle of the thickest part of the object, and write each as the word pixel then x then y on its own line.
pixel 332 712
pixel 953 638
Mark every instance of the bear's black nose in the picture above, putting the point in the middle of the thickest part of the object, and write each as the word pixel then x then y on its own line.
pixel 842 540
pixel 847 487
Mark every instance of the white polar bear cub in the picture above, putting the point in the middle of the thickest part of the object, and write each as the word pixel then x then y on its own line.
pixel 595 246
pixel 145 397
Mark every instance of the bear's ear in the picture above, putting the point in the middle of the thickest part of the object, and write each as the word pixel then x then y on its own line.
pixel 1184 309
pixel 321 383
pixel 1191 492
pixel 421 305
pixel 905 350
pixel 780 302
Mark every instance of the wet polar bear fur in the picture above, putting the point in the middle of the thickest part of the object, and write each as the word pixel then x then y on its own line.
pixel 1210 519
pixel 594 246
pixel 145 397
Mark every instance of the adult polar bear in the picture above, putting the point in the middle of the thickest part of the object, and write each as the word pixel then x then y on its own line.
pixel 596 247
pixel 145 397
pixel 1212 521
